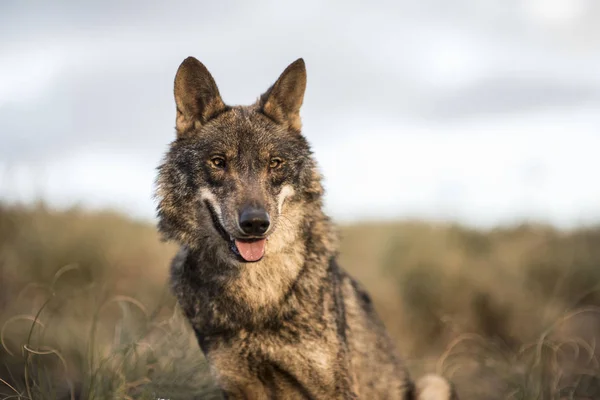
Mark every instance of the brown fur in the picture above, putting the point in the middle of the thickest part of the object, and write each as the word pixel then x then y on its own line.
pixel 292 325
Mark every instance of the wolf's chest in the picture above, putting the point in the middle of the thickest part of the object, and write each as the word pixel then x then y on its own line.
pixel 277 365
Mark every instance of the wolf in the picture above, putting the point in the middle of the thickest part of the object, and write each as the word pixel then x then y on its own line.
pixel 256 274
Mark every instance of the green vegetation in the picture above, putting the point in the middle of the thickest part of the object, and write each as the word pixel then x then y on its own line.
pixel 86 313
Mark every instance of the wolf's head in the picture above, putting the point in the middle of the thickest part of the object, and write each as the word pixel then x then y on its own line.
pixel 237 179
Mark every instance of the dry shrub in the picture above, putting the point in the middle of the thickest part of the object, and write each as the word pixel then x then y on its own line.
pixel 85 311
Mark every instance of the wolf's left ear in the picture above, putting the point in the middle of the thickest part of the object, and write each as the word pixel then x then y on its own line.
pixel 196 95
pixel 283 100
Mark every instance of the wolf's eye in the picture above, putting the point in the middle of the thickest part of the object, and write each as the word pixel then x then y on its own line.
pixel 217 162
pixel 275 162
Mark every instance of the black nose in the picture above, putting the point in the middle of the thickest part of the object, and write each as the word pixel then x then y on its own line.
pixel 254 221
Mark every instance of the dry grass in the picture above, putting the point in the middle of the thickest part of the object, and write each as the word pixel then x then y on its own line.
pixel 510 313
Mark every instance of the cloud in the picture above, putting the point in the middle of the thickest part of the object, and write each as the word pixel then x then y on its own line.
pixel 510 94
pixel 477 172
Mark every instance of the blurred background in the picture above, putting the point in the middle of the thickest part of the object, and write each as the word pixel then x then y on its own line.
pixel 459 144
pixel 480 111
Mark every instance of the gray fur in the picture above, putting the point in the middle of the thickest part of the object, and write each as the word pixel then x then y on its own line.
pixel 293 325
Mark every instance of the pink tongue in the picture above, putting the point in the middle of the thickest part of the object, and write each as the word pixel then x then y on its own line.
pixel 251 251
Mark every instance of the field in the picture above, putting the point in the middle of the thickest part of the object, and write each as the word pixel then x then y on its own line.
pixel 509 313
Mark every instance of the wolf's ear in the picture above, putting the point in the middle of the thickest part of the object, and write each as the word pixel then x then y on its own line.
pixel 196 95
pixel 282 101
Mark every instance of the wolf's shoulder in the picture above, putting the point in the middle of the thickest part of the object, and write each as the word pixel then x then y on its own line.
pixel 179 261
pixel 181 272
pixel 350 286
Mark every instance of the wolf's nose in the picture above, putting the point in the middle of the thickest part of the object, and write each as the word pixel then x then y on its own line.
pixel 254 221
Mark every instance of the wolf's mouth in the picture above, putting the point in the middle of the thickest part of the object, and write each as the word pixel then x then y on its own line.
pixel 250 250
pixel 245 250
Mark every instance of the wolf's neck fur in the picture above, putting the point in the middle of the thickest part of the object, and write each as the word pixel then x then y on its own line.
pixel 246 296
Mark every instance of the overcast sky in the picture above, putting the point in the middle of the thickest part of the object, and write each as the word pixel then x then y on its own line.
pixel 479 111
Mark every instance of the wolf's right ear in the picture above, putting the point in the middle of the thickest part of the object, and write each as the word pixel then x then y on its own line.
pixel 196 95
pixel 283 100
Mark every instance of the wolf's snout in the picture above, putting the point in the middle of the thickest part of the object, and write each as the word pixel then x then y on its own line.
pixel 254 221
